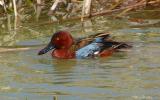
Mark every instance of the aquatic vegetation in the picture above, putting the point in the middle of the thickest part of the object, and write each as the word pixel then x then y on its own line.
pixel 70 8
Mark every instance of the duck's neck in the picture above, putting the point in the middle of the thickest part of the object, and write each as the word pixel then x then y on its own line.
pixel 63 53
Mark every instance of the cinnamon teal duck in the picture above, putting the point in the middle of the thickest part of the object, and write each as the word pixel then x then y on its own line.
pixel 64 46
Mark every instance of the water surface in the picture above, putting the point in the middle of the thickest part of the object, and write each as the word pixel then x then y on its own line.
pixel 130 75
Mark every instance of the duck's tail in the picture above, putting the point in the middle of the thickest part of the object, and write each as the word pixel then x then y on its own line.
pixel 116 46
pixel 120 46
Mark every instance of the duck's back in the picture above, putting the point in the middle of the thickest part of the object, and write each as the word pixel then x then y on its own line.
pixel 100 47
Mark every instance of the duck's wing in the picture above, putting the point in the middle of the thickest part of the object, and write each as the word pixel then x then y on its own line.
pixel 116 45
pixel 100 48
pixel 89 51
pixel 108 47
pixel 98 45
pixel 81 42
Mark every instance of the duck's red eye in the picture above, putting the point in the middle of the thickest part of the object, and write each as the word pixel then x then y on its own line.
pixel 57 38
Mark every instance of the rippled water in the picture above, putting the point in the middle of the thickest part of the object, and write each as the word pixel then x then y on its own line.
pixel 131 75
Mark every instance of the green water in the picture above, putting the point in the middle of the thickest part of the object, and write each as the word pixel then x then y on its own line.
pixel 130 75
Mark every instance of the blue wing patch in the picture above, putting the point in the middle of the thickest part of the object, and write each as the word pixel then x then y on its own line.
pixel 88 51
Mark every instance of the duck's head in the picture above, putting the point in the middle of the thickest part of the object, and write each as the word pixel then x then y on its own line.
pixel 59 40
